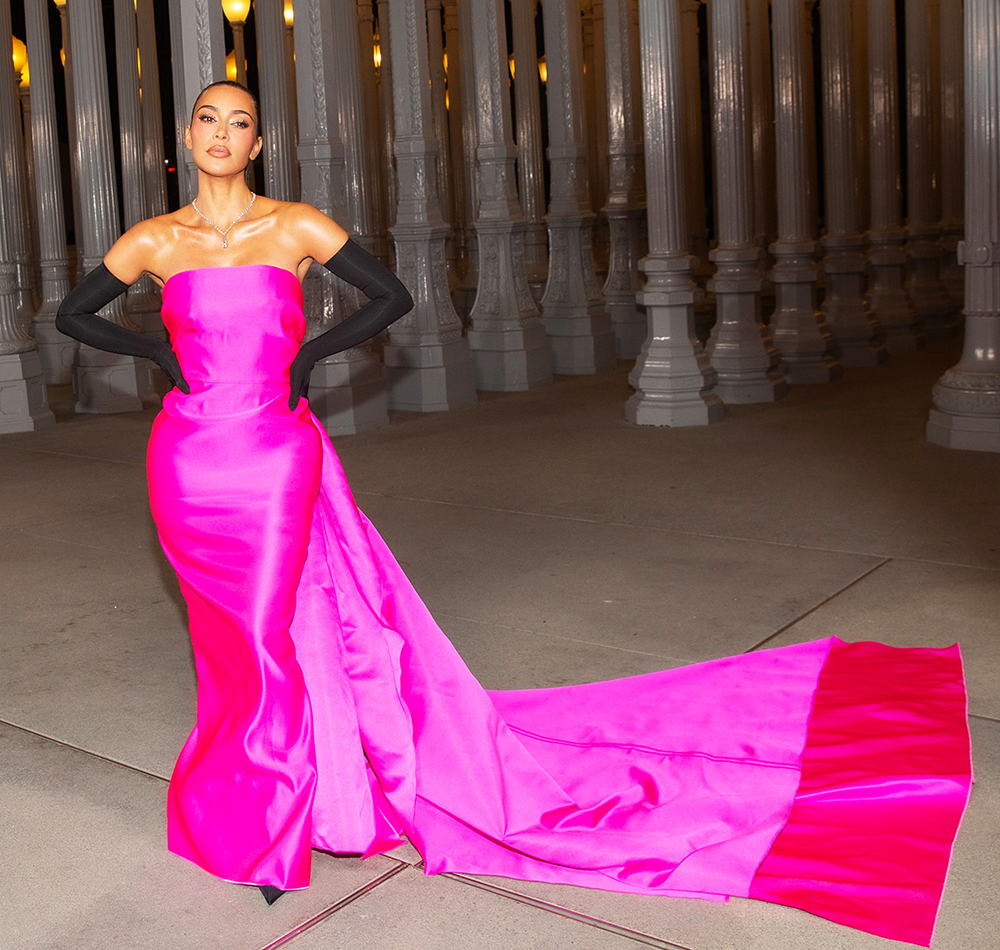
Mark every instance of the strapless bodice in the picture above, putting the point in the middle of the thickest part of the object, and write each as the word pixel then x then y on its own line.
pixel 240 324
pixel 235 331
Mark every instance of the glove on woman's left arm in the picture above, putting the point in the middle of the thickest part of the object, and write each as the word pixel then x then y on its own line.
pixel 388 301
pixel 77 317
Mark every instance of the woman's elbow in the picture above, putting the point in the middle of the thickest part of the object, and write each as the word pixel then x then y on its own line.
pixel 405 302
pixel 64 320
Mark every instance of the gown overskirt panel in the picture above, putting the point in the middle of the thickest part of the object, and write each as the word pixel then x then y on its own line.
pixel 333 713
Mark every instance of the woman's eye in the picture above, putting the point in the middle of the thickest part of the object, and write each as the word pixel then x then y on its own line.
pixel 207 117
pixel 242 123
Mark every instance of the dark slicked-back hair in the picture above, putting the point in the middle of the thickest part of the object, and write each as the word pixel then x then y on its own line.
pixel 235 85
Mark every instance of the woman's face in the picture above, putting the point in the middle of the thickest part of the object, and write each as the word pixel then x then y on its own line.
pixel 222 135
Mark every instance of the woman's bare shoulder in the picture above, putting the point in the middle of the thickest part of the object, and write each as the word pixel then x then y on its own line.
pixel 317 234
pixel 295 212
pixel 138 250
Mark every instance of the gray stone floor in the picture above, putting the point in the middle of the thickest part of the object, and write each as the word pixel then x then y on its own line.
pixel 555 544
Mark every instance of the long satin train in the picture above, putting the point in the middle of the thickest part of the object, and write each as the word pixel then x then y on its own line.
pixel 333 713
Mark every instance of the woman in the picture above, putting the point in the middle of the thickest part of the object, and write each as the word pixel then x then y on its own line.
pixel 334 714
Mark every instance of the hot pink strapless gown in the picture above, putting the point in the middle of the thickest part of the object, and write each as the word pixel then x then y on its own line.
pixel 334 714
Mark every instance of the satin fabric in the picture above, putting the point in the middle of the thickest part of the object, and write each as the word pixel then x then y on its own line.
pixel 333 713
pixel 886 779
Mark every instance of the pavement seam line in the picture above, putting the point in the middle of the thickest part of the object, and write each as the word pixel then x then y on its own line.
pixel 984 718
pixel 333 908
pixel 77 544
pixel 679 531
pixel 822 603
pixel 595 922
pixel 90 752
pixel 77 455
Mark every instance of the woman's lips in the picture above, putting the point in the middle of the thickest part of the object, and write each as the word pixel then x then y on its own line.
pixel 219 152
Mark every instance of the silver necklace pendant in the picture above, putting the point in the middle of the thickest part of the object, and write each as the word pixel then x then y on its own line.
pixel 225 240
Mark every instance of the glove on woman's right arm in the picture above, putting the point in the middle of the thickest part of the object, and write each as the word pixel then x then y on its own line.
pixel 77 317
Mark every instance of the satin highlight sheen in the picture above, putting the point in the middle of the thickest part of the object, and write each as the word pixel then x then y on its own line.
pixel 334 714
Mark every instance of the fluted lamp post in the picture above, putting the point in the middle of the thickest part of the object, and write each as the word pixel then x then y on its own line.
pixel 23 405
pixel 236 12
pixel 23 180
pixel 22 74
pixel 21 77
pixel 56 352
pixel 966 413
pixel 19 53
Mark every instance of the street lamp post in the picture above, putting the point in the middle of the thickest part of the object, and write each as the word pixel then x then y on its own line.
pixel 236 12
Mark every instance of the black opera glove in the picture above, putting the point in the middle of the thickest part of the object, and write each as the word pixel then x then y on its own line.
pixel 77 317
pixel 388 301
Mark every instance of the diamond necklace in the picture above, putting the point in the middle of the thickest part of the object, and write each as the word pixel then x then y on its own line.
pixel 225 243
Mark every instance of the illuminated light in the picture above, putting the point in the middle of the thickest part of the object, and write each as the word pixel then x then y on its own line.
pixel 510 63
pixel 170 168
pixel 62 57
pixel 446 102
pixel 444 59
pixel 543 70
pixel 24 77
pixel 138 63
pixel 236 11
pixel 59 3
pixel 376 52
pixel 289 13
pixel 231 66
pixel 20 54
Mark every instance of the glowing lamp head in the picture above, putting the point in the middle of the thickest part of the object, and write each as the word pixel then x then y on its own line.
pixel 20 54
pixel 236 11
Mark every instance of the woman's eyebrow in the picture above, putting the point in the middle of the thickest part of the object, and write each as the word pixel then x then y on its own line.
pixel 207 105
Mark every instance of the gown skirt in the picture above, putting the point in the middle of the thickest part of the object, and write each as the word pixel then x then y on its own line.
pixel 333 713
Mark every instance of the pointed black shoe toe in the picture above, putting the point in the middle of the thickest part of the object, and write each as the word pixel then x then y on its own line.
pixel 271 894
